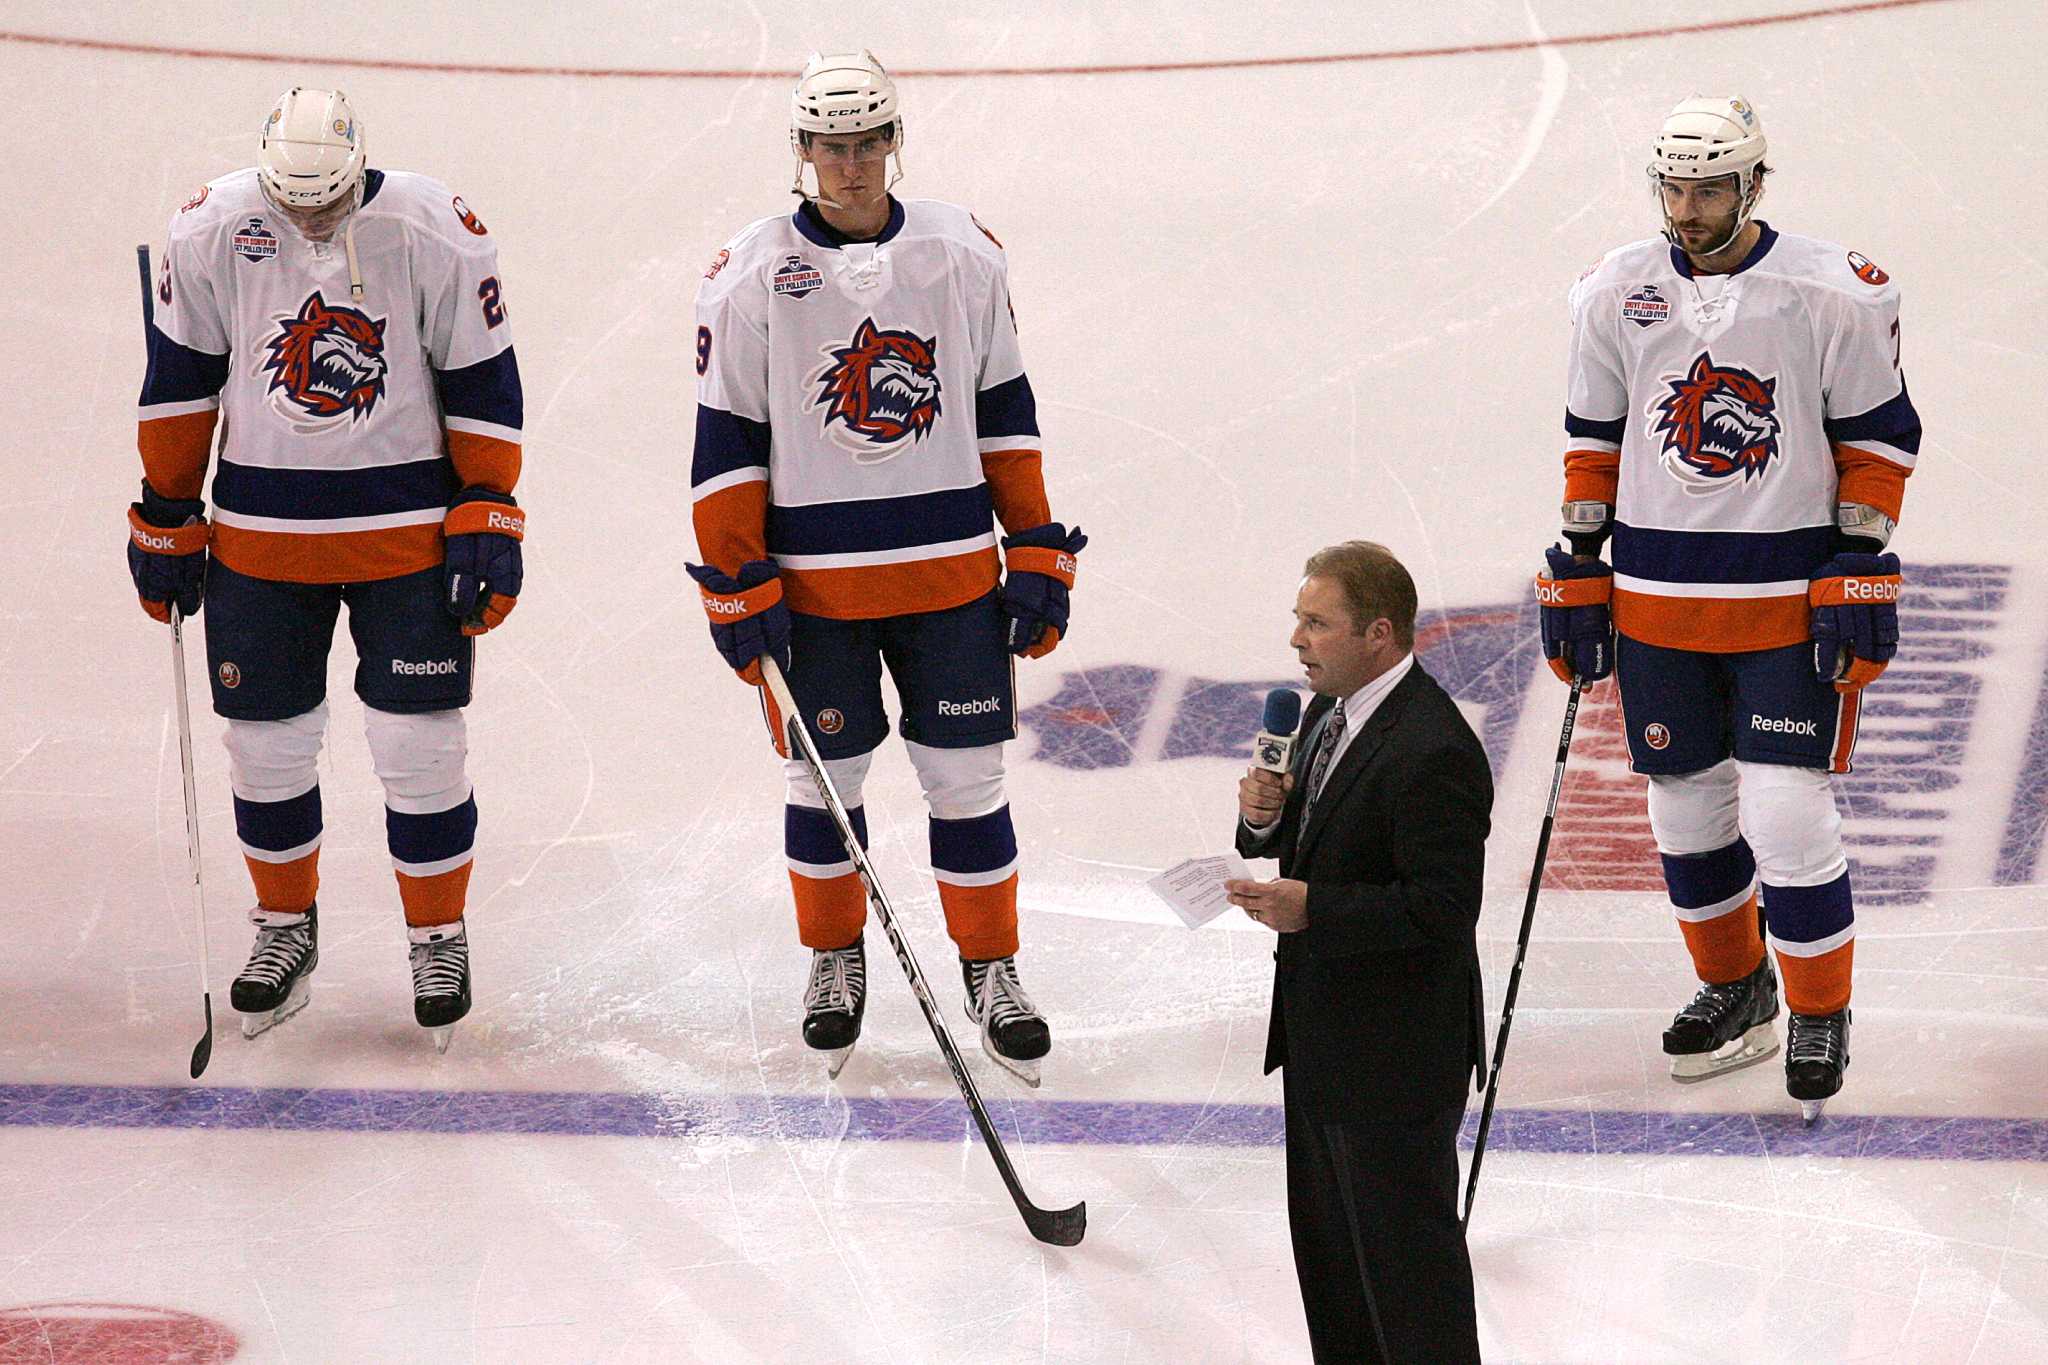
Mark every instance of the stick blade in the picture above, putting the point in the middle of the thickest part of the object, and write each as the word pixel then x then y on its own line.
pixel 202 1052
pixel 1058 1227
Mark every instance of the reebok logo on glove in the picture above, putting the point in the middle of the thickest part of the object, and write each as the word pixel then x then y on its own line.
pixel 724 606
pixel 150 542
pixel 505 523
pixel 1869 590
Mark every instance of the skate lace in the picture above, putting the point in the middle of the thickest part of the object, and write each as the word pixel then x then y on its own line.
pixel 998 996
pixel 1714 1003
pixel 1815 1039
pixel 837 976
pixel 438 968
pixel 276 953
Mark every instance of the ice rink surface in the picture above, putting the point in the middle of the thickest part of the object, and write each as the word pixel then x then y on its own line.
pixel 1265 307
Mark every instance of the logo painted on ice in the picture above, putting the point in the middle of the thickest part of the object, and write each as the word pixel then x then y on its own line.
pixel 255 242
pixel 327 363
pixel 1646 307
pixel 797 278
pixel 1717 421
pixel 880 391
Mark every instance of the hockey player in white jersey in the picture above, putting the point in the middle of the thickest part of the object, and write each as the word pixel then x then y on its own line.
pixel 1738 423
pixel 347 328
pixel 863 422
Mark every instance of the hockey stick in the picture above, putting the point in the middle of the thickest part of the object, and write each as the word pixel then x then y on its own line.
pixel 1060 1227
pixel 202 1052
pixel 1507 1009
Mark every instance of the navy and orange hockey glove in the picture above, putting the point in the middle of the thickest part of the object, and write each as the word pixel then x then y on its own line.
pixel 484 570
pixel 748 616
pixel 1855 621
pixel 167 553
pixel 1578 626
pixel 1037 583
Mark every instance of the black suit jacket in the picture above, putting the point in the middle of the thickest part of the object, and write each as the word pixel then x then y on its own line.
pixel 1377 1007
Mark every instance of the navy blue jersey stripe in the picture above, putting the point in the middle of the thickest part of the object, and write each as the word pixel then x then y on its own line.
pixel 323 493
pixel 726 441
pixel 810 836
pixel 431 838
pixel 179 374
pixel 982 843
pixel 1592 429
pixel 881 523
pixel 1721 556
pixel 279 826
pixel 1008 409
pixel 487 391
pixel 1893 422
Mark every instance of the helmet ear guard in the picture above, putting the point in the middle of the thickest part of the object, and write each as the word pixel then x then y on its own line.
pixel 311 153
pixel 1706 137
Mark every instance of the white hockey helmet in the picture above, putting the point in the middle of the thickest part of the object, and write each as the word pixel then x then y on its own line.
pixel 1704 138
pixel 311 154
pixel 843 92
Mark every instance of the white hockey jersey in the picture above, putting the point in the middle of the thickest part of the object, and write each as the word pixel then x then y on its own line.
pixel 1724 417
pixel 350 423
pixel 863 413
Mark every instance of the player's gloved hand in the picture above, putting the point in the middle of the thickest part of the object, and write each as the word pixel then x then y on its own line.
pixel 748 616
pixel 1578 628
pixel 1855 622
pixel 484 571
pixel 1039 573
pixel 167 553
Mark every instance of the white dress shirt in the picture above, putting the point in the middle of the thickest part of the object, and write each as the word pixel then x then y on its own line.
pixel 1358 709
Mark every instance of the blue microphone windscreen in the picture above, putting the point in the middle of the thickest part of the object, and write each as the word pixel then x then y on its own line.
pixel 1283 711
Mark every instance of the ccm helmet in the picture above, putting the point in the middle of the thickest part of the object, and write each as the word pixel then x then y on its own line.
pixel 1705 138
pixel 843 92
pixel 311 154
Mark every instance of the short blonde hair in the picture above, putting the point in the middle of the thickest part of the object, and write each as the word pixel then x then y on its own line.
pixel 1375 585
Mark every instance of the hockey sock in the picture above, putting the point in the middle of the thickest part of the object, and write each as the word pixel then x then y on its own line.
pixel 1714 896
pixel 432 854
pixel 831 904
pixel 281 843
pixel 975 863
pixel 1814 928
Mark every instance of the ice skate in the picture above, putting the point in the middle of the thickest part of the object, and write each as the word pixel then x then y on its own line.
pixel 276 982
pixel 1013 1033
pixel 1725 1028
pixel 440 978
pixel 834 1001
pixel 1816 1055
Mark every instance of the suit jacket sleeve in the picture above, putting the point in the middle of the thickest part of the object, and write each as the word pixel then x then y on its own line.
pixel 1439 864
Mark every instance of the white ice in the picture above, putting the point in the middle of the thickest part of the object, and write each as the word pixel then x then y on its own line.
pixel 1264 308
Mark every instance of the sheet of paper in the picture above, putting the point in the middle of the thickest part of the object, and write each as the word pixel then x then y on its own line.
pixel 1194 888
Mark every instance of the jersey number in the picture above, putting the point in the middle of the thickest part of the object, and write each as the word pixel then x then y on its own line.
pixel 1895 343
pixel 494 307
pixel 703 350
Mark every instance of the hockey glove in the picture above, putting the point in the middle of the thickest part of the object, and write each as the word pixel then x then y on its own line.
pixel 167 553
pixel 484 571
pixel 1855 623
pixel 748 616
pixel 1039 565
pixel 1578 628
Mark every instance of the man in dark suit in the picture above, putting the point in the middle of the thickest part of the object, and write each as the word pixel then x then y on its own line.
pixel 1380 829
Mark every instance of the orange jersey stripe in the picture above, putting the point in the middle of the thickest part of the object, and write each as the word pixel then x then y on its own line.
pixel 830 911
pixel 1818 985
pixel 289 887
pixel 175 450
pixel 484 461
pixel 732 525
pixel 1592 475
pixel 1712 625
pixel 869 591
pixel 982 920
pixel 1870 479
pixel 1016 484
pixel 437 899
pixel 1727 947
pixel 334 557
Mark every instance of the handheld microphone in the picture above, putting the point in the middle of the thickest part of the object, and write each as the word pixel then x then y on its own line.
pixel 1273 749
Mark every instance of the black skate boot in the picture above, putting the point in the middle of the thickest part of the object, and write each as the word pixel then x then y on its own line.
pixel 1725 1028
pixel 834 1001
pixel 1013 1033
pixel 440 978
pixel 1816 1055
pixel 275 983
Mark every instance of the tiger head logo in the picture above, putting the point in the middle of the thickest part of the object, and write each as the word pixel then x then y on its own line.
pixel 327 363
pixel 1717 421
pixel 880 391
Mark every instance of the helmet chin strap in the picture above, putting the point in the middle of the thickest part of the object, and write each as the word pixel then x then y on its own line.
pixel 796 186
pixel 1753 192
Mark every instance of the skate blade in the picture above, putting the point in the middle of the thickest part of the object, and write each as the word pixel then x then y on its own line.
pixel 1026 1072
pixel 1759 1044
pixel 294 1001
pixel 443 1036
pixel 835 1060
pixel 1810 1110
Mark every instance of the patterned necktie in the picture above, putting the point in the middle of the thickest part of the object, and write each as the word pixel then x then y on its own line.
pixel 1326 749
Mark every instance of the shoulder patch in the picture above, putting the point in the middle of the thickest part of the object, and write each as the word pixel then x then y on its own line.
pixel 469 219
pixel 718 263
pixel 196 200
pixel 986 233
pixel 1866 269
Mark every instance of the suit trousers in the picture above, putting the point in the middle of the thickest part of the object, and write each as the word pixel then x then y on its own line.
pixel 1378 1249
